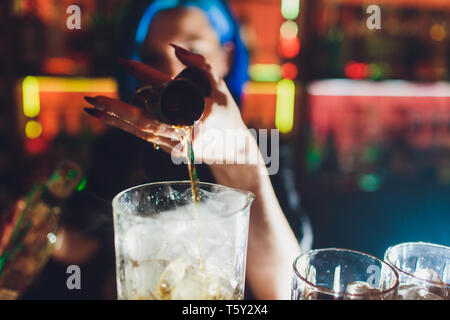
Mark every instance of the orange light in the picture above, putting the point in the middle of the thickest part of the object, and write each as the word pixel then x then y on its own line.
pixel 36 146
pixel 289 71
pixel 58 65
pixel 437 32
pixel 289 48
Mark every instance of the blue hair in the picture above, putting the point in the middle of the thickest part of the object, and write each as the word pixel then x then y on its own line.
pixel 222 22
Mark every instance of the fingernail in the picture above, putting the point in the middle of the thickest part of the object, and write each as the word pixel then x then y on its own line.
pixel 95 103
pixel 90 100
pixel 95 113
pixel 180 49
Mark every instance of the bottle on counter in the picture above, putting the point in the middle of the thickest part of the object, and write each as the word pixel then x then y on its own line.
pixel 27 239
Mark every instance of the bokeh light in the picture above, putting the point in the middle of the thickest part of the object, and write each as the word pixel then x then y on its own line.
pixel 437 32
pixel 289 48
pixel 33 129
pixel 31 102
pixel 284 115
pixel 289 71
pixel 290 9
pixel 289 30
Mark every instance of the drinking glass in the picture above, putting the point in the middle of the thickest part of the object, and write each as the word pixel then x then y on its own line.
pixel 423 268
pixel 341 274
pixel 170 248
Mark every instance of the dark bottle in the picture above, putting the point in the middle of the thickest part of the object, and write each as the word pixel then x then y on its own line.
pixel 179 102
pixel 26 242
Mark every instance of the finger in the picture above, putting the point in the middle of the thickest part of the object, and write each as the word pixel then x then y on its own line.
pixel 196 60
pixel 143 72
pixel 131 128
pixel 133 116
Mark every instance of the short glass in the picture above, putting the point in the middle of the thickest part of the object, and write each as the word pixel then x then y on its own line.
pixel 423 268
pixel 341 274
pixel 170 248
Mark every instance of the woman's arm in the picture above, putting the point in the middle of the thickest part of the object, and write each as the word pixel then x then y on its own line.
pixel 272 245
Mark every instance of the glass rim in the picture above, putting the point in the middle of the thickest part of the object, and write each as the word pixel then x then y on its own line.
pixel 344 294
pixel 421 243
pixel 248 201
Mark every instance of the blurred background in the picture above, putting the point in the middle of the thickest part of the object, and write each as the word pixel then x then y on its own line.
pixel 366 111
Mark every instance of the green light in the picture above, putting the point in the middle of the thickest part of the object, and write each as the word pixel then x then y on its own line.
pixel 82 184
pixel 31 102
pixel 265 72
pixel 284 115
pixel 290 9
pixel 289 30
pixel 313 157
pixel 376 71
pixel 369 182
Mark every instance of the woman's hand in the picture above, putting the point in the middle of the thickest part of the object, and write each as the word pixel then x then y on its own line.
pixel 220 136
pixel 272 245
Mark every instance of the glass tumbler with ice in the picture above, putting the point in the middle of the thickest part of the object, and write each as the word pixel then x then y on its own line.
pixel 423 268
pixel 341 274
pixel 169 247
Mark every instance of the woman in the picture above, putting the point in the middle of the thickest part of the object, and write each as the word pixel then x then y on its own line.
pixel 170 36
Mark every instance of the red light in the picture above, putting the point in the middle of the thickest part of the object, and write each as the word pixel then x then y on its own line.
pixel 289 71
pixel 35 146
pixel 289 48
pixel 356 70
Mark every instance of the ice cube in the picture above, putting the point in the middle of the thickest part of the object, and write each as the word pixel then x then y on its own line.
pixel 438 287
pixel 142 278
pixel 142 242
pixel 415 292
pixel 172 276
pixel 191 287
pixel 220 289
pixel 429 275
pixel 199 286
pixel 363 290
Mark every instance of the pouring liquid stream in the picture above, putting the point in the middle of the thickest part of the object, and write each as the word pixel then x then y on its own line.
pixel 186 136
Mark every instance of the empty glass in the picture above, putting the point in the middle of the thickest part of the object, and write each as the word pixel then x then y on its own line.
pixel 336 274
pixel 170 248
pixel 423 268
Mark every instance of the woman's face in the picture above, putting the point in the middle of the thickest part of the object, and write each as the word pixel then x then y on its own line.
pixel 188 28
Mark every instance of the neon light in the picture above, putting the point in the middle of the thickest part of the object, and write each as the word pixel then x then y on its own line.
pixel 31 102
pixel 289 30
pixel 437 32
pixel 82 184
pixel 376 71
pixel 356 70
pixel 289 71
pixel 33 129
pixel 257 88
pixel 60 84
pixel 391 88
pixel 265 72
pixel 369 182
pixel 289 48
pixel 290 9
pixel 284 115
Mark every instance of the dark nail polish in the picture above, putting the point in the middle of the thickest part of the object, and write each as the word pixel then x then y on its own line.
pixel 91 100
pixel 95 113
